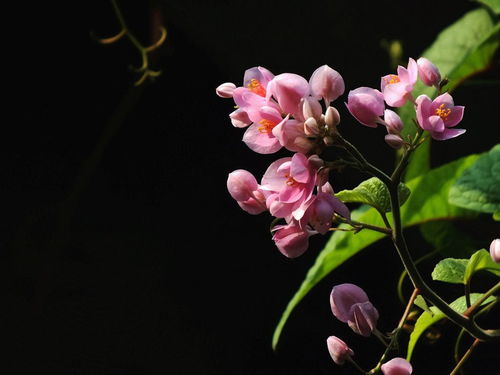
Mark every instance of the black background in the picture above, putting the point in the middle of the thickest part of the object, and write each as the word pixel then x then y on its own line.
pixel 124 252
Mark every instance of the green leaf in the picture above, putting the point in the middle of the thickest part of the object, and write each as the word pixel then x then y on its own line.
pixel 450 270
pixel 448 240
pixel 427 319
pixel 478 187
pixel 464 48
pixel 420 302
pixel 428 202
pixel 373 192
pixel 481 260
pixel 493 5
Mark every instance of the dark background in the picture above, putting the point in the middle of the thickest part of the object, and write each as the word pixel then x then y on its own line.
pixel 124 253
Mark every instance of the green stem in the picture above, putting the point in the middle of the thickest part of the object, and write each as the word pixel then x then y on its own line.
pixel 465 357
pixel 470 311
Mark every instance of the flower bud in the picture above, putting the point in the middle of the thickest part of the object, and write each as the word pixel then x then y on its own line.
pixel 241 184
pixel 311 127
pixel 225 90
pixel 332 117
pixel 495 250
pixel 326 83
pixel 366 105
pixel 429 73
pixel 364 318
pixel 393 121
pixel 311 108
pixel 395 141
pixel 239 118
pixel 338 349
pixel 288 89
pixel 343 297
pixel 397 366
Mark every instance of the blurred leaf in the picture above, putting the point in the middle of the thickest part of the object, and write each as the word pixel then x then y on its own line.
pixel 427 202
pixel 374 193
pixel 481 260
pixel 494 5
pixel 464 48
pixel 448 240
pixel 426 319
pixel 450 270
pixel 478 188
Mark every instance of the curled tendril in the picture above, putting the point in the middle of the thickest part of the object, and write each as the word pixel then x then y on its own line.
pixel 144 70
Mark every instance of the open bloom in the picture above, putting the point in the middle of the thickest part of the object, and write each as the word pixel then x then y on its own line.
pixel 366 105
pixel 397 366
pixel 260 137
pixel 288 89
pixel 338 349
pixel 438 116
pixel 397 88
pixel 350 304
pixel 290 182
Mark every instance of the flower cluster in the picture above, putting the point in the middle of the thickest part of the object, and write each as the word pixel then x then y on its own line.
pixel 437 116
pixel 350 304
pixel 294 189
pixel 284 110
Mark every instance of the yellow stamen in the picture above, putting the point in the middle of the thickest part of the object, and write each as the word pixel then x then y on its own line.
pixel 443 112
pixel 392 79
pixel 255 86
pixel 267 126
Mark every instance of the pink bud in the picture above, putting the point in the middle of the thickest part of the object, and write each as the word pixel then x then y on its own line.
pixel 364 318
pixel 429 73
pixel 366 105
pixel 343 297
pixel 397 366
pixel 239 118
pixel 393 121
pixel 495 250
pixel 225 90
pixel 338 349
pixel 332 117
pixel 241 184
pixel 326 83
pixel 395 141
pixel 254 205
pixel 311 126
pixel 311 108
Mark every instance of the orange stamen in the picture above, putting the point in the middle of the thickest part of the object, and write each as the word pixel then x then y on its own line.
pixel 267 126
pixel 392 79
pixel 290 181
pixel 255 86
pixel 443 112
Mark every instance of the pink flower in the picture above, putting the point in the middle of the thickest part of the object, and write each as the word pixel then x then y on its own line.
pixel 243 187
pixel 259 137
pixel 366 105
pixel 397 366
pixel 350 304
pixel 338 349
pixel 326 83
pixel 256 79
pixel 439 115
pixel 393 122
pixel 322 207
pixel 495 250
pixel 239 118
pixel 291 182
pixel 291 240
pixel 225 90
pixel 397 88
pixel 288 89
pixel 292 136
pixel 428 72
